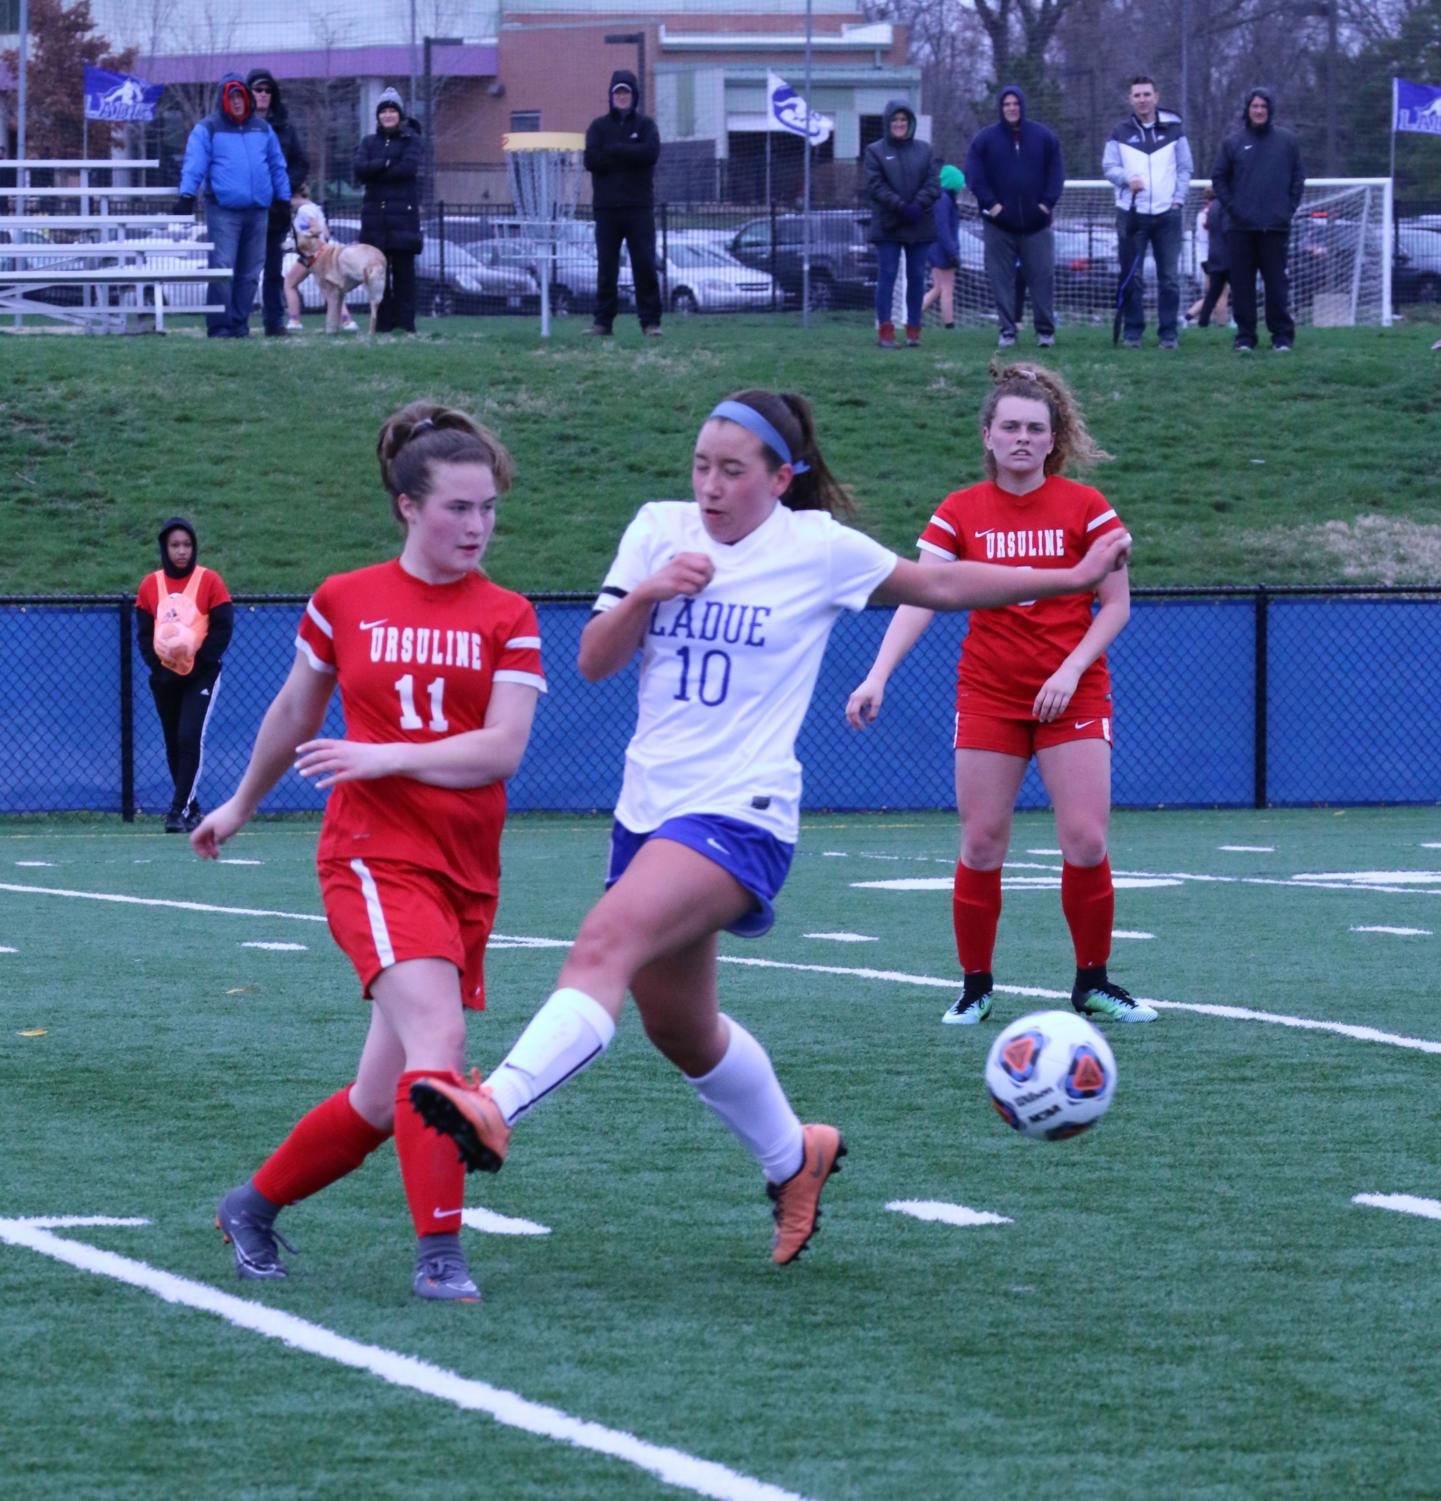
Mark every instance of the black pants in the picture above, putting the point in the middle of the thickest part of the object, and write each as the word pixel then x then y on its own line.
pixel 397 307
pixel 636 228
pixel 272 281
pixel 1263 250
pixel 184 705
pixel 1215 285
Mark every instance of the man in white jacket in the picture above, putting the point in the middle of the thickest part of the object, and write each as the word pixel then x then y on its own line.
pixel 1148 162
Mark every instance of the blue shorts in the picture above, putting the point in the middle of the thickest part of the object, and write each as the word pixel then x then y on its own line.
pixel 754 856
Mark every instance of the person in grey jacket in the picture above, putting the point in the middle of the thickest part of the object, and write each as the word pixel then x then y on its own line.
pixel 902 184
pixel 1148 162
pixel 1259 179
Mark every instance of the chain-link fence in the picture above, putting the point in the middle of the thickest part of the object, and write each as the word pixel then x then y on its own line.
pixel 1228 698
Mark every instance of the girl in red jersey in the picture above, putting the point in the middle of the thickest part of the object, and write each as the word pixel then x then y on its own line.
pixel 439 671
pixel 1032 681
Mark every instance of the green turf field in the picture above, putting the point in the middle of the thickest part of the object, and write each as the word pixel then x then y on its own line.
pixel 1187 1302
pixel 1313 469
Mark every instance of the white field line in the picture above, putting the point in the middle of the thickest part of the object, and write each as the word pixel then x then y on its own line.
pixel 1235 1013
pixel 1397 932
pixel 1428 1209
pixel 947 1214
pixel 279 948
pixel 488 1222
pixel 843 937
pixel 1232 1013
pixel 703 1477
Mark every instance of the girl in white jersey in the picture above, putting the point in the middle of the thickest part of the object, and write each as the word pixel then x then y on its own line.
pixel 730 599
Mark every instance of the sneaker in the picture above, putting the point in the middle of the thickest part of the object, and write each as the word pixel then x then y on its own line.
pixel 193 818
pixel 1130 343
pixel 913 336
pixel 295 326
pixel 599 330
pixel 797 1201
pixel 350 326
pixel 253 1241
pixel 443 1277
pixel 1168 344
pixel 1109 1001
pixel 1045 341
pixel 653 331
pixel 966 1013
pixel 1006 341
pixel 1241 348
pixel 175 821
pixel 1280 349
pixel 886 335
pixel 469 1116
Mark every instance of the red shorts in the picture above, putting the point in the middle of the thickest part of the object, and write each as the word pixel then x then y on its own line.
pixel 383 912
pixel 1024 737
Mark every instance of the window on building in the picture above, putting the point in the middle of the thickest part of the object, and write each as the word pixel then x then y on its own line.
pixel 9 17
pixel 525 119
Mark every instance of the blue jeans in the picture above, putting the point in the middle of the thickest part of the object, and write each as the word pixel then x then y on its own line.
pixel 238 235
pixel 1162 232
pixel 888 265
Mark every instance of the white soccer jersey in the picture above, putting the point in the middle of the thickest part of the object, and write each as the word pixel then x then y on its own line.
pixel 726 677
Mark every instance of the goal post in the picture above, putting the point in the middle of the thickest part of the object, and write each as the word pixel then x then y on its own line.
pixel 1339 261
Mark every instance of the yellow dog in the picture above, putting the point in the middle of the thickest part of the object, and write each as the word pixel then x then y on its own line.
pixel 337 269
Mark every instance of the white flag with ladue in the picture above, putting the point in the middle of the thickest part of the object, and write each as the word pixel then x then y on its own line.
pixel 786 110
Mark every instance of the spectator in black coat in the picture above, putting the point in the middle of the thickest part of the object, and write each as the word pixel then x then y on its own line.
pixel 902 185
pixel 268 107
pixel 1259 180
pixel 387 165
pixel 622 147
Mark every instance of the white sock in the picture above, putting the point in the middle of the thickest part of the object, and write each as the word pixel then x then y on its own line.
pixel 566 1033
pixel 743 1090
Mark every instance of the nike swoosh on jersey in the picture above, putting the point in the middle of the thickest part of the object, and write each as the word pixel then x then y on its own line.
pixel 1082 723
pixel 370 625
pixel 716 845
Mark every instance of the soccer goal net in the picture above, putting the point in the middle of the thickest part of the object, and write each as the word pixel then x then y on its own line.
pixel 1338 264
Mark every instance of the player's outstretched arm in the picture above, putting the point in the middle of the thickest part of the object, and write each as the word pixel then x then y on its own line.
pixel 907 626
pixel 294 715
pixel 472 759
pixel 987 586
pixel 612 637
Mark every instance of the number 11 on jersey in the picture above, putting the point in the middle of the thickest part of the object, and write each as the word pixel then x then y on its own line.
pixel 409 719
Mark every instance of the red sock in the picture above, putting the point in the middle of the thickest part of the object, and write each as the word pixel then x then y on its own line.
pixel 975 910
pixel 1089 901
pixel 326 1144
pixel 430 1166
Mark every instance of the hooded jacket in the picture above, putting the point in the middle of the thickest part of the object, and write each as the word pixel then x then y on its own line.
pixel 297 160
pixel 621 150
pixel 388 166
pixel 1019 172
pixel 222 612
pixel 241 163
pixel 898 173
pixel 1258 175
pixel 1158 153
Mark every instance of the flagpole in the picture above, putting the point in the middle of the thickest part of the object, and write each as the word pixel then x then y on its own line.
pixel 806 190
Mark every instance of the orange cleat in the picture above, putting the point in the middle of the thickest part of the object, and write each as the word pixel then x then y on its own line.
pixel 468 1115
pixel 798 1200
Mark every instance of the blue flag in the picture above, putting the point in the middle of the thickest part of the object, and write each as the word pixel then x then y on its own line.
pixel 1416 107
pixel 118 96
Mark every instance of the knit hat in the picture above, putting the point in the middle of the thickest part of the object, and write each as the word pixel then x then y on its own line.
pixel 952 178
pixel 391 98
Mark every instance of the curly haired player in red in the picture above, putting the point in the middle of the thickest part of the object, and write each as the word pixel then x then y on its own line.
pixel 439 672
pixel 1032 681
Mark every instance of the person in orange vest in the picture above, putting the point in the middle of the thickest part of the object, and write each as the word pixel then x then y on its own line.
pixel 183 621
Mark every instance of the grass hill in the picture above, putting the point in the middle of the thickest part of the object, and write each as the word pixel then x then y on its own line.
pixel 1324 466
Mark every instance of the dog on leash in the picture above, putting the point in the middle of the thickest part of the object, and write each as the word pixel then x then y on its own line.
pixel 337 269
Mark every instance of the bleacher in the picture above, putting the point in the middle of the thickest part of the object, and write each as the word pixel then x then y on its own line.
pixel 97 266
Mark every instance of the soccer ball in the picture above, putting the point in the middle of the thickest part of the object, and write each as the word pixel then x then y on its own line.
pixel 1051 1075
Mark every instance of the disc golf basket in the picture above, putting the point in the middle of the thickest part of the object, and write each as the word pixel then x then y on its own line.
pixel 545 169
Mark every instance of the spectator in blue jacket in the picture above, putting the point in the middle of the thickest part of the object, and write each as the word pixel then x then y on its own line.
pixel 1015 170
pixel 236 157
pixel 945 251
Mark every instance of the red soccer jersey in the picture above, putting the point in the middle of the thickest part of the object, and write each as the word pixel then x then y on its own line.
pixel 1008 653
pixel 210 592
pixel 416 662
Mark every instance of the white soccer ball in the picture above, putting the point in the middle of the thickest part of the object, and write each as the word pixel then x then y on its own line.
pixel 1051 1075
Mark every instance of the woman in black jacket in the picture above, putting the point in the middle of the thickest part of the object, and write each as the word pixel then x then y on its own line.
pixel 387 165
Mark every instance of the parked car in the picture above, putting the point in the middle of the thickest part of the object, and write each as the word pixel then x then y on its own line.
pixel 512 242
pixel 698 278
pixel 1416 271
pixel 843 261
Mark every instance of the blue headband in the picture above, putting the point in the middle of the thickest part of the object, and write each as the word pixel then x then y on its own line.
pixel 753 422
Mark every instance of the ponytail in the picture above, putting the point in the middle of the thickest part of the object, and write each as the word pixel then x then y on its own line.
pixel 424 434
